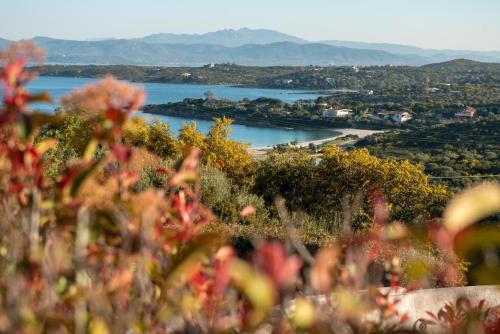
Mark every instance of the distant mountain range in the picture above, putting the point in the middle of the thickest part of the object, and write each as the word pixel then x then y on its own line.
pixel 227 37
pixel 258 47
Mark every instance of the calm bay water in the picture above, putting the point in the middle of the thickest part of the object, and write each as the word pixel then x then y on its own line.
pixel 158 93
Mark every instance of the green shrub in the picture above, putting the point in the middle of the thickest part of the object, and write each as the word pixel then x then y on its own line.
pixel 227 199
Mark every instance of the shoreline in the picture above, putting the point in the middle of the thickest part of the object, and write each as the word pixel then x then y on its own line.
pixel 239 121
pixel 259 150
pixel 159 110
pixel 361 133
pixel 293 90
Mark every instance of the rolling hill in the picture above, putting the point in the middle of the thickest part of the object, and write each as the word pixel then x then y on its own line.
pixel 463 65
pixel 431 55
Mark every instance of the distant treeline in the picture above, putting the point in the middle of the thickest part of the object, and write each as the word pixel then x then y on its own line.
pixel 449 74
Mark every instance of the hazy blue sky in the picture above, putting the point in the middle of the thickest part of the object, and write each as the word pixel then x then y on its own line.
pixel 471 24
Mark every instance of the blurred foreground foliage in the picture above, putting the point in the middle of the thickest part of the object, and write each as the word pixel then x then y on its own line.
pixel 100 236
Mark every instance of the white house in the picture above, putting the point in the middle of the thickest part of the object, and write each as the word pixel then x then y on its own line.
pixel 329 113
pixel 396 116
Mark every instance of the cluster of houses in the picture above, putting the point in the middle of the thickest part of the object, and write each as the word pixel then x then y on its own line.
pixel 395 116
pixel 326 110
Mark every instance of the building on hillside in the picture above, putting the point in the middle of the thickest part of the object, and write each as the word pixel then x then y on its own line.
pixel 396 116
pixel 210 103
pixel 241 107
pixel 466 113
pixel 186 74
pixel 330 113
pixel 305 103
pixel 262 106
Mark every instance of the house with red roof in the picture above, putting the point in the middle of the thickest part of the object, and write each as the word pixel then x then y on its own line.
pixel 466 113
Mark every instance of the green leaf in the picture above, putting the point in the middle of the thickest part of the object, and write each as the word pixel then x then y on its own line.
pixel 257 288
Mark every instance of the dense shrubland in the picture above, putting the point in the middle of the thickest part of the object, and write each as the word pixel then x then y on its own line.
pixel 100 236
pixel 317 189
pixel 320 188
pixel 454 151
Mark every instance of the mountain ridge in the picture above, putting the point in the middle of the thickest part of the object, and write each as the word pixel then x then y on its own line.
pixel 226 37
pixel 258 47
pixel 131 52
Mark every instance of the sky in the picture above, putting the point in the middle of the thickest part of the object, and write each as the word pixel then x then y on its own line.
pixel 454 24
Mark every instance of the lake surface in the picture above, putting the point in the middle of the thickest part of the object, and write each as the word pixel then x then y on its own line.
pixel 158 93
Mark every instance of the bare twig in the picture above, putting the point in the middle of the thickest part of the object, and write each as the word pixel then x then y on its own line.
pixel 291 231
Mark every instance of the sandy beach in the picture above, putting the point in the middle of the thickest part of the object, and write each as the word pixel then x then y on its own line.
pixel 342 132
pixel 260 152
